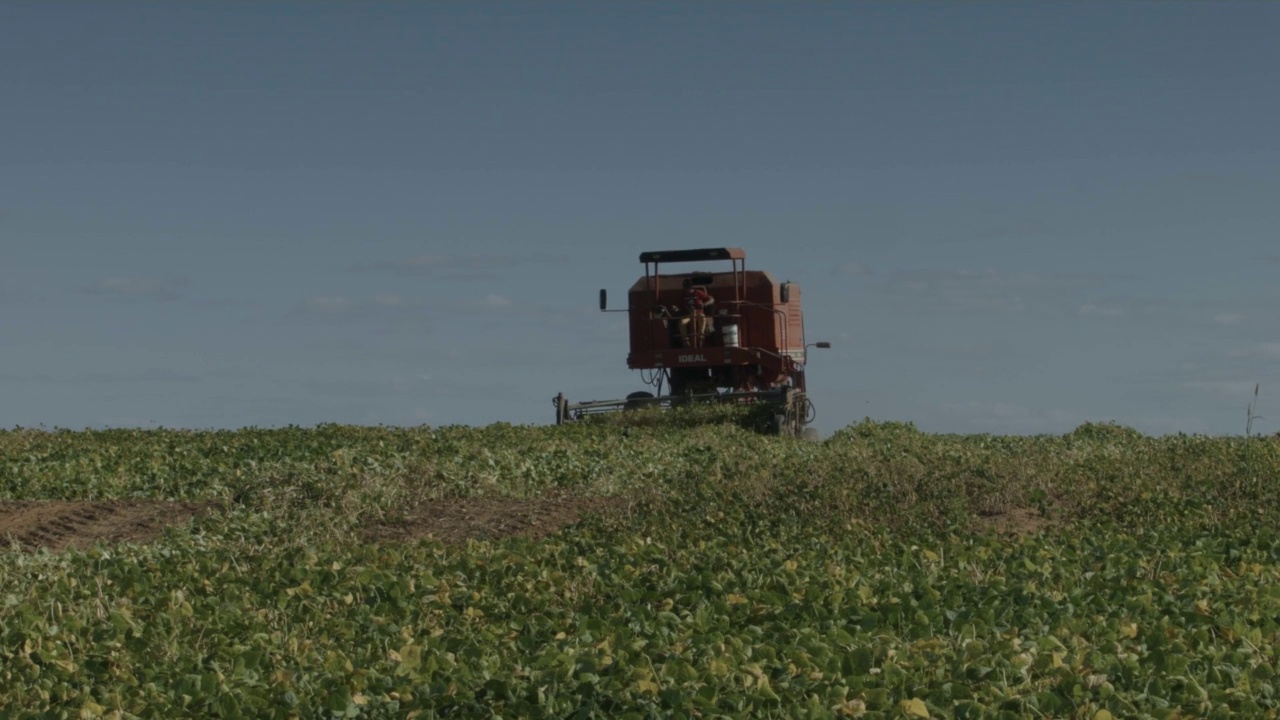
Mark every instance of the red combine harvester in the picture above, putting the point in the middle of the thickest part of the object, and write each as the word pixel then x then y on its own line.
pixel 734 335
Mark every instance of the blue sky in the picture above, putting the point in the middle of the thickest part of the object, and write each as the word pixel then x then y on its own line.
pixel 1006 217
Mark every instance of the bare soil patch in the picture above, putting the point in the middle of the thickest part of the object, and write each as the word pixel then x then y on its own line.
pixel 1014 521
pixel 62 524
pixel 456 520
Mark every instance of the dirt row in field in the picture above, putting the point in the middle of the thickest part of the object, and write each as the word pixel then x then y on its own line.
pixel 59 525
pixel 62 524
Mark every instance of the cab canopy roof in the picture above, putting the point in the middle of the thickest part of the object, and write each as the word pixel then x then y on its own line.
pixel 666 256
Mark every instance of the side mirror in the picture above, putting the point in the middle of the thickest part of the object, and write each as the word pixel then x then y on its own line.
pixel 604 299
pixel 785 292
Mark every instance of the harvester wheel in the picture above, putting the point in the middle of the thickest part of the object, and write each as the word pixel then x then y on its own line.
pixel 781 426
pixel 811 434
pixel 636 400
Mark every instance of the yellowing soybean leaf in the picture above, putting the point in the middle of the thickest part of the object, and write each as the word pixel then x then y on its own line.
pixel 410 657
pixel 914 707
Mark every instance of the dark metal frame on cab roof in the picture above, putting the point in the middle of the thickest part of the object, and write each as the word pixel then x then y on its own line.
pixel 663 256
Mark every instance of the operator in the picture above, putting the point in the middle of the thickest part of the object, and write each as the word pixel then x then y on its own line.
pixel 699 303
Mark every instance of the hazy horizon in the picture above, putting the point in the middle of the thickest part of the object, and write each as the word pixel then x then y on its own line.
pixel 1006 218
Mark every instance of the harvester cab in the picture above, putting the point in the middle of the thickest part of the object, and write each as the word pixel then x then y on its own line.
pixel 714 333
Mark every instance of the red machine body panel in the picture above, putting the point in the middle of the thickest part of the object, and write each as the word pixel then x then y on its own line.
pixel 728 335
pixel 756 332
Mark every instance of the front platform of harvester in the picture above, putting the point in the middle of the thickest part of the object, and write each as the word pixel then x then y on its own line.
pixel 753 339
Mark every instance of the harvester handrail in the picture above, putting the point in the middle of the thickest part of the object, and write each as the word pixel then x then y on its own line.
pixel 782 315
